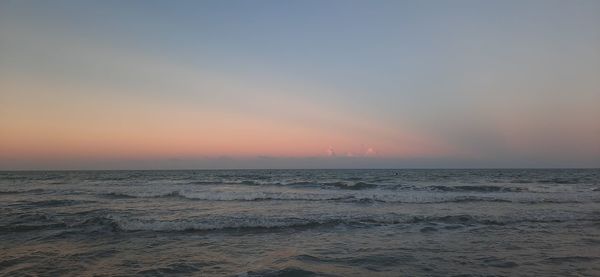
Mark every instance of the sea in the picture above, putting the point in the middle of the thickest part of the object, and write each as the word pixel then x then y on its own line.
pixel 393 222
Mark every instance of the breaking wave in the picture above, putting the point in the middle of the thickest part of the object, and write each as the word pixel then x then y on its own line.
pixel 117 223
pixel 475 188
pixel 355 197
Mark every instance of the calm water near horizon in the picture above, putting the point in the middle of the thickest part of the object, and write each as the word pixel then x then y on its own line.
pixel 480 222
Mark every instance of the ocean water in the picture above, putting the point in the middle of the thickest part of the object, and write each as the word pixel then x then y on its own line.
pixel 301 223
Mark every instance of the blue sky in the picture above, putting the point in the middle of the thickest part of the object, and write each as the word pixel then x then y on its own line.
pixel 187 84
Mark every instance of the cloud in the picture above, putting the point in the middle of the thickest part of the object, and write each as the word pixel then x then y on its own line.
pixel 330 152
pixel 370 152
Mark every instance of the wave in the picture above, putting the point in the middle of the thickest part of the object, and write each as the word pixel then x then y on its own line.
pixel 205 183
pixel 29 222
pixel 354 186
pixel 229 196
pixel 57 203
pixel 256 223
pixel 336 185
pixel 234 182
pixel 455 219
pixel 288 271
pixel 126 223
pixel 303 184
pixel 571 259
pixel 31 227
pixel 474 188
pixel 560 181
pixel 22 191
pixel 376 260
pixel 117 195
pixel 222 224
pixel 464 199
pixel 176 268
pixel 557 180
pixel 359 198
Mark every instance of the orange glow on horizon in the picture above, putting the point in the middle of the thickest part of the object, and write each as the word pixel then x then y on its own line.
pixel 60 123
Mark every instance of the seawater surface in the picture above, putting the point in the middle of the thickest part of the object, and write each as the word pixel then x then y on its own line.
pixel 301 223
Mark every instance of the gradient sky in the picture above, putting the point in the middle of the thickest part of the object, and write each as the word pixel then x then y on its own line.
pixel 299 84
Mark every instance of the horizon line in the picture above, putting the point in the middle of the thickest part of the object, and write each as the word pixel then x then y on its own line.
pixel 308 169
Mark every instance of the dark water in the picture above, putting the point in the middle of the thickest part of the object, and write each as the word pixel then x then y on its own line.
pixel 301 223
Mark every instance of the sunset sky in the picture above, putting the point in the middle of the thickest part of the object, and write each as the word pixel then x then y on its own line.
pixel 299 84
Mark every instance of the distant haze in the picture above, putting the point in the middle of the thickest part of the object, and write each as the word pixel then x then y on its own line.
pixel 299 84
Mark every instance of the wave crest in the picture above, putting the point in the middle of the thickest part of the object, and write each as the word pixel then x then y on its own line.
pixel 475 188
pixel 355 197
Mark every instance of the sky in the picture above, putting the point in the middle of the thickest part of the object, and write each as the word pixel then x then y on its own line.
pixel 299 84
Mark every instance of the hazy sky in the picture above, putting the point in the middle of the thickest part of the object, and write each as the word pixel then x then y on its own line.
pixel 299 84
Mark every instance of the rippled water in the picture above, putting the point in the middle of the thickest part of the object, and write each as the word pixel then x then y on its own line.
pixel 301 223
